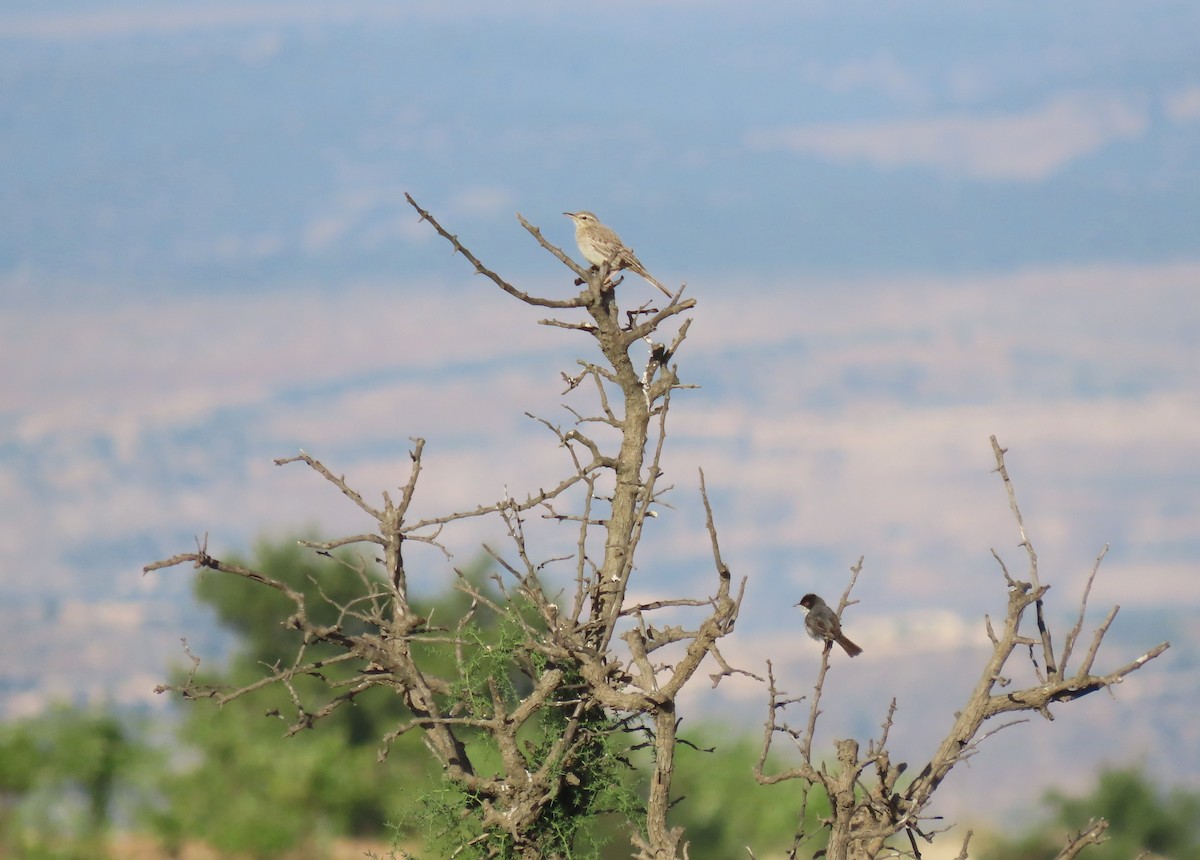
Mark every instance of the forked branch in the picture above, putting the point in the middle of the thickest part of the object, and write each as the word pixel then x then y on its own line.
pixel 869 808
pixel 585 673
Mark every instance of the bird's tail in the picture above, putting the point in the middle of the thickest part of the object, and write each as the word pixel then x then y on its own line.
pixel 666 292
pixel 848 646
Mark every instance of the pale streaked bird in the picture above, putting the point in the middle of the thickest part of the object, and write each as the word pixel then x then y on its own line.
pixel 600 245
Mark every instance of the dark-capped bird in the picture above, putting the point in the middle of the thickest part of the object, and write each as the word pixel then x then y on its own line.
pixel 822 623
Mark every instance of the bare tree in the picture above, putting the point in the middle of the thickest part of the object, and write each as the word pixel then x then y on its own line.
pixel 869 800
pixel 531 730
pixel 595 666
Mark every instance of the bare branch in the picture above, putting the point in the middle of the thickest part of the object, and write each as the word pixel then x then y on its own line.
pixel 1012 502
pixel 1093 834
pixel 962 855
pixel 577 302
pixel 337 480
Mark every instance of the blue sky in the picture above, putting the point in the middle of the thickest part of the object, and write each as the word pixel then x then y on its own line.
pixel 907 227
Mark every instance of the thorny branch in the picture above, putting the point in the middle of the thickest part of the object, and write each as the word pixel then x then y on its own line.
pixel 869 809
pixel 587 666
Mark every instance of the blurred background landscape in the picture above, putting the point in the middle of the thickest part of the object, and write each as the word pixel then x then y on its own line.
pixel 907 227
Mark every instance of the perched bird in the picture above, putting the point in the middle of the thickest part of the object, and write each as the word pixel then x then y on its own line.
pixel 822 623
pixel 600 245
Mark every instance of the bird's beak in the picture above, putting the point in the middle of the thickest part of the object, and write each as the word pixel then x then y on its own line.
pixel 569 214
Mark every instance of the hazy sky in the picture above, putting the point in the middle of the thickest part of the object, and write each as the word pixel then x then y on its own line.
pixel 907 227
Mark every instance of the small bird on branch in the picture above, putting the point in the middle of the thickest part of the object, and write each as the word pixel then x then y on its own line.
pixel 822 623
pixel 600 245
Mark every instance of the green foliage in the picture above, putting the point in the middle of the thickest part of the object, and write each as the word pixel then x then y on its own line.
pixel 593 779
pixel 723 809
pixel 61 777
pixel 253 791
pixel 239 783
pixel 1141 818
pixel 572 825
